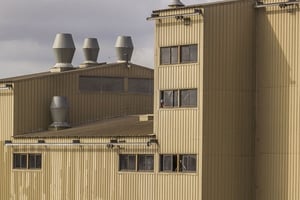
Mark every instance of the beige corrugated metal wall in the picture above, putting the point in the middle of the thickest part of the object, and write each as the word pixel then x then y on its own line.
pixel 6 127
pixel 75 173
pixel 229 102
pixel 179 130
pixel 33 97
pixel 278 103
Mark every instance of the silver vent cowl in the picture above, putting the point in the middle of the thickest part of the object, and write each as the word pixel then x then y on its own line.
pixel 64 50
pixel 175 4
pixel 59 111
pixel 90 50
pixel 124 48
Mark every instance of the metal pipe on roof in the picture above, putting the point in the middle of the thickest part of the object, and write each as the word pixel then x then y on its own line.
pixel 155 16
pixel 80 144
pixel 280 4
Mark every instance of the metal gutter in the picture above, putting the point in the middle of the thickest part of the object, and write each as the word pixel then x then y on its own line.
pixel 280 4
pixel 156 16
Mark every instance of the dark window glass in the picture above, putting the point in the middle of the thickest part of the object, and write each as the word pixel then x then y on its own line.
pixel 168 163
pixel 145 162
pixel 140 86
pixel 188 98
pixel 34 161
pixel 127 162
pixel 188 53
pixel 168 55
pixel 187 163
pixel 19 161
pixel 169 98
pixel 105 84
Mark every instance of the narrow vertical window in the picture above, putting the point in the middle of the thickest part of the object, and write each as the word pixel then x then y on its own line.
pixel 145 162
pixel 19 161
pixel 168 163
pixel 188 98
pixel 187 163
pixel 168 55
pixel 34 161
pixel 127 162
pixel 188 53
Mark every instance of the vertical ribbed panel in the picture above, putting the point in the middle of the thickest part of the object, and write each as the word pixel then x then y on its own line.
pixel 75 173
pixel 33 97
pixel 6 130
pixel 278 110
pixel 179 130
pixel 228 102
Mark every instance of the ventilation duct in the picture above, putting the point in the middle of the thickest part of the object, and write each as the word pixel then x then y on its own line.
pixel 90 50
pixel 59 111
pixel 175 4
pixel 124 48
pixel 64 49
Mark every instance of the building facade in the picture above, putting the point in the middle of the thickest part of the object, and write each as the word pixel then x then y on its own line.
pixel 225 107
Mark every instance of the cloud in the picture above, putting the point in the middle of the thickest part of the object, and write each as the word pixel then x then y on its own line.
pixel 28 29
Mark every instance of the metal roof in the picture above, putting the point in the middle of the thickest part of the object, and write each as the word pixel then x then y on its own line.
pixel 75 70
pixel 121 126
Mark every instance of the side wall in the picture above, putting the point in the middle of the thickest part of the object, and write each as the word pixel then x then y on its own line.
pixel 229 101
pixel 179 130
pixel 6 129
pixel 278 103
pixel 76 173
pixel 33 98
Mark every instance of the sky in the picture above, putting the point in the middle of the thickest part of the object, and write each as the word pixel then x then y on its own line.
pixel 28 29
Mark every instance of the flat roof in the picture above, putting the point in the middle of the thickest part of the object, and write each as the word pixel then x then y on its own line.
pixel 129 126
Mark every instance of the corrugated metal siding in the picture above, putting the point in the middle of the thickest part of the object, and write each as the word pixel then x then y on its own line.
pixel 33 98
pixel 278 111
pixel 6 129
pixel 228 102
pixel 74 173
pixel 179 130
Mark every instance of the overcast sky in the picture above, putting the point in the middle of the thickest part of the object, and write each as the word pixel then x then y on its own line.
pixel 28 29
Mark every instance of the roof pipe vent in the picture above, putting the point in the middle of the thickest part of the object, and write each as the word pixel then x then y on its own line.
pixel 90 50
pixel 124 49
pixel 175 4
pixel 59 111
pixel 64 49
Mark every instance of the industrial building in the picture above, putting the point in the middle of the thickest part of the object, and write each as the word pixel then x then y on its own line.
pixel 225 104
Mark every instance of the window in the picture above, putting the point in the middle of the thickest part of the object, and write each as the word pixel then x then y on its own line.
pixel 127 162
pixel 170 55
pixel 27 161
pixel 101 84
pixel 188 53
pixel 140 86
pixel 136 162
pixel 178 163
pixel 178 98
pixel 145 162
pixel 19 161
pixel 34 161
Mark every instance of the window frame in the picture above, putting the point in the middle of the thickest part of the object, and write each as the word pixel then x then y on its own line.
pixel 176 99
pixel 146 156
pixel 180 58
pixel 27 164
pixel 127 169
pixel 177 159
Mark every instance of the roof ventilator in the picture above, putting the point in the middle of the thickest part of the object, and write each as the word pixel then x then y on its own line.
pixel 124 49
pixel 64 49
pixel 90 50
pixel 175 4
pixel 59 111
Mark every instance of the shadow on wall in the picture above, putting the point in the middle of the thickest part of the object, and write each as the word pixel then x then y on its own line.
pixel 278 38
